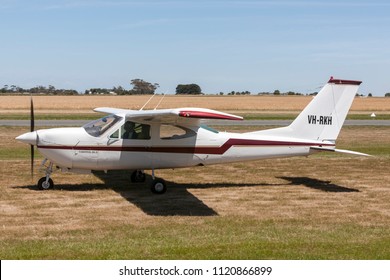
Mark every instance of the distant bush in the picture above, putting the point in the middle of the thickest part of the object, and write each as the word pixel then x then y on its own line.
pixel 188 89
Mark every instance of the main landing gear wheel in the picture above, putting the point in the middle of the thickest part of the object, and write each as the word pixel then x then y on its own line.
pixel 138 176
pixel 158 186
pixel 43 185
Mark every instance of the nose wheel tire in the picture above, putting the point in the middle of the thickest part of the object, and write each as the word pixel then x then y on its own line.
pixel 158 186
pixel 43 185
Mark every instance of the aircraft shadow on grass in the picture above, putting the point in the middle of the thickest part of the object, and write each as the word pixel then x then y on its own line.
pixel 178 200
pixel 325 186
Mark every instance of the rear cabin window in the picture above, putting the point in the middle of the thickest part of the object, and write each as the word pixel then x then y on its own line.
pixel 168 132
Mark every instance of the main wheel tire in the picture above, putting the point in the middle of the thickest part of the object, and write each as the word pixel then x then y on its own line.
pixel 138 176
pixel 158 186
pixel 42 185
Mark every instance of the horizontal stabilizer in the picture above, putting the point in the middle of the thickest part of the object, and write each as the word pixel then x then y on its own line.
pixel 324 149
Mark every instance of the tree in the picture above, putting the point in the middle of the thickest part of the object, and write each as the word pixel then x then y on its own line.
pixel 369 95
pixel 188 89
pixel 142 87
pixel 387 94
pixel 120 90
pixel 277 92
pixel 51 89
pixel 4 89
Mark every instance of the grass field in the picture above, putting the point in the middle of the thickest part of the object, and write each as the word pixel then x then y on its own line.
pixel 326 206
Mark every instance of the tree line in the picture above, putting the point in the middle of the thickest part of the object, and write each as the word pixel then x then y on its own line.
pixel 49 90
pixel 139 87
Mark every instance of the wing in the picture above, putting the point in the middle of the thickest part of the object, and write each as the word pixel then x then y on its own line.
pixel 171 116
pixel 114 111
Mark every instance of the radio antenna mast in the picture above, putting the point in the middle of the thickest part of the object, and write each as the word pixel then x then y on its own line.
pixel 160 101
pixel 147 102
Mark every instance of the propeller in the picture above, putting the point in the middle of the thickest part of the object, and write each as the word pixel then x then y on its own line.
pixel 32 125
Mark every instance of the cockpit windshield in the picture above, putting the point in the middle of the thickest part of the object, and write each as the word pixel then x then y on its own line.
pixel 98 127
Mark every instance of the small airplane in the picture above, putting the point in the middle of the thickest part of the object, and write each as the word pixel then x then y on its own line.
pixel 138 140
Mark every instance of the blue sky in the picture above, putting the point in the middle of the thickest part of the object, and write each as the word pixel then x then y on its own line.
pixel 220 45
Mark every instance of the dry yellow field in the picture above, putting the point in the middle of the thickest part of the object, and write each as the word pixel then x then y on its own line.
pixel 85 104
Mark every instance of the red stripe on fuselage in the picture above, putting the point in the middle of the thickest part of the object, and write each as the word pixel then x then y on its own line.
pixel 220 150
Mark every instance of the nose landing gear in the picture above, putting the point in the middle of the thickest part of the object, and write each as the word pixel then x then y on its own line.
pixel 46 183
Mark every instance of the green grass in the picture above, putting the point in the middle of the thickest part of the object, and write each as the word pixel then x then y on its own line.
pixel 217 238
pixel 16 153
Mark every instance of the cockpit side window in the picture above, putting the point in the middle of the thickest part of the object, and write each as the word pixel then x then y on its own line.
pixel 115 135
pixel 98 127
pixel 133 130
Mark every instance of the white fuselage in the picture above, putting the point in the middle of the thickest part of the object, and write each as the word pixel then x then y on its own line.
pixel 174 138
pixel 74 149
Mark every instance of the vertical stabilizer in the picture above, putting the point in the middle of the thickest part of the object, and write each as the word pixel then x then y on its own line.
pixel 324 116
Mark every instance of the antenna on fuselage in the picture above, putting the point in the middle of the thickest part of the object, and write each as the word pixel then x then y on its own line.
pixel 160 101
